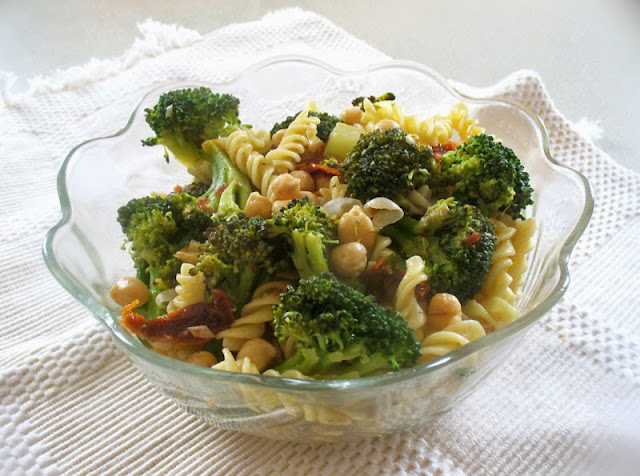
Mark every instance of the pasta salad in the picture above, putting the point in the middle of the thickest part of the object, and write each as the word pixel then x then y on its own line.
pixel 330 246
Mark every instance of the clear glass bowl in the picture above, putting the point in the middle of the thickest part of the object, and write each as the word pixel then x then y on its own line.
pixel 83 251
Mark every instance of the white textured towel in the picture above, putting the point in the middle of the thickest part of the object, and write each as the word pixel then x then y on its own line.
pixel 565 402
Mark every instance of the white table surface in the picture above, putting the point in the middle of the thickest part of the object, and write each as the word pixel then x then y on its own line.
pixel 586 51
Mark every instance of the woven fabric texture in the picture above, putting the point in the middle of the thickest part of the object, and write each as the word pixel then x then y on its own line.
pixel 565 402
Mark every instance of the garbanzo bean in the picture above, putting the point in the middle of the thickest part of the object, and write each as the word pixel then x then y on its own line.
pixel 126 290
pixel 258 206
pixel 349 260
pixel 355 225
pixel 285 187
pixel 386 124
pixel 260 352
pixel 204 358
pixel 444 310
pixel 351 116
pixel 279 205
pixel 307 184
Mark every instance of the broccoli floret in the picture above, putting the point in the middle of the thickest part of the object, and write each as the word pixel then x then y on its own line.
pixel 237 256
pixel 156 227
pixel 340 331
pixel 184 118
pixel 386 164
pixel 324 128
pixel 357 102
pixel 455 241
pixel 484 173
pixel 308 231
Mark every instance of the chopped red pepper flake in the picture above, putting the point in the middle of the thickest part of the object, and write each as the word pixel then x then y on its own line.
pixel 472 238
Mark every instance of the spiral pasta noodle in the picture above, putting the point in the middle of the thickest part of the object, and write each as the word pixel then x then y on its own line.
pixel 295 140
pixel 464 125
pixel 380 250
pixel 336 189
pixel 406 303
pixel 416 202
pixel 250 162
pixel 190 289
pixel 449 339
pixel 430 131
pixel 495 305
pixel 254 316
pixel 523 243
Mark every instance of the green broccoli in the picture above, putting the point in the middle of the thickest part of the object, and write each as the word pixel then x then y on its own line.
pixel 237 256
pixel 185 121
pixel 327 123
pixel 484 173
pixel 308 231
pixel 386 164
pixel 184 118
pixel 357 102
pixel 455 241
pixel 229 187
pixel 156 227
pixel 340 331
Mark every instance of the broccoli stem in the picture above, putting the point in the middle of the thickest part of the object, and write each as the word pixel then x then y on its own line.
pixel 309 253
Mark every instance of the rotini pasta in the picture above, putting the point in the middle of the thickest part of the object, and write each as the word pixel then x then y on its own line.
pixel 250 162
pixel 190 288
pixel 297 137
pixel 406 303
pixel 253 317
pixel 449 339
pixel 416 201
pixel 336 189
pixel 464 125
pixel 495 305
pixel 430 131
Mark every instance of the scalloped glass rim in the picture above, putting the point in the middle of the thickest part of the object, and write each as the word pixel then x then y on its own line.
pixel 131 344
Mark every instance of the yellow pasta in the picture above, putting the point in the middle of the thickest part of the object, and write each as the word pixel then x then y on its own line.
pixel 416 201
pixel 464 125
pixel 495 305
pixel 406 303
pixel 190 289
pixel 449 339
pixel 336 189
pixel 254 316
pixel 297 137
pixel 252 163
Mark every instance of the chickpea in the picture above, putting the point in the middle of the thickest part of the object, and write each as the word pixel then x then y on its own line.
pixel 351 116
pixel 285 187
pixel 313 198
pixel 307 184
pixel 444 310
pixel 279 205
pixel 126 290
pixel 322 181
pixel 258 206
pixel 260 352
pixel 355 225
pixel 277 137
pixel 350 259
pixel 386 124
pixel 204 358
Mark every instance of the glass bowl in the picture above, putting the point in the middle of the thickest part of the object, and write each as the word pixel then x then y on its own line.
pixel 83 251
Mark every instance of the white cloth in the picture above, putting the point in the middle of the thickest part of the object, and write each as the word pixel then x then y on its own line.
pixel 565 402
